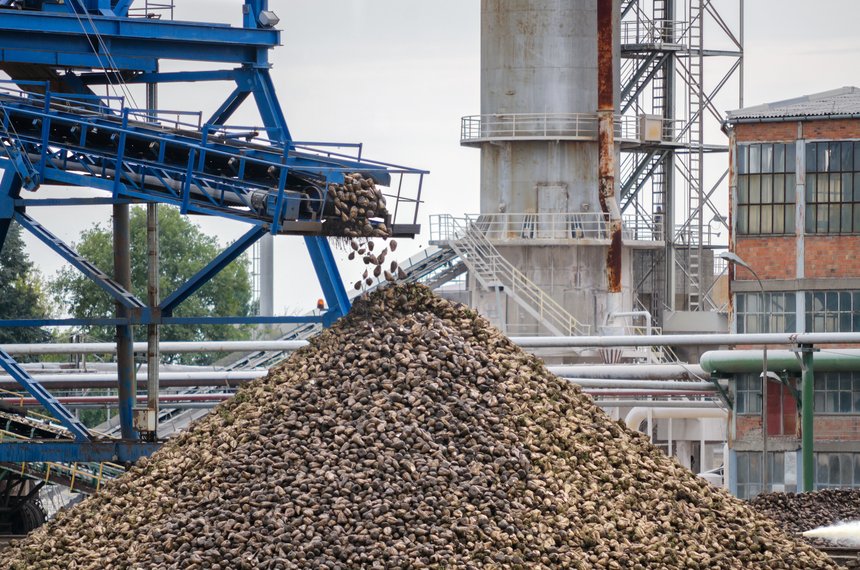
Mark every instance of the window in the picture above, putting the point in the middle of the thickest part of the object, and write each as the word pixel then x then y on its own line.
pixel 766 188
pixel 837 392
pixel 776 314
pixel 835 470
pixel 833 187
pixel 833 311
pixel 749 472
pixel 748 394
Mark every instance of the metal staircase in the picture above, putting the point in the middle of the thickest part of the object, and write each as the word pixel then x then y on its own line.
pixel 493 271
pixel 637 168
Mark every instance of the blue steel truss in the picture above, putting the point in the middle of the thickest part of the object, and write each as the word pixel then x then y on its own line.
pixel 55 130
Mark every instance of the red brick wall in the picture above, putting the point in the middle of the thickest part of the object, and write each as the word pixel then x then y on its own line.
pixel 771 257
pixel 766 132
pixel 831 256
pixel 787 131
pixel 837 428
pixel 827 428
pixel 832 129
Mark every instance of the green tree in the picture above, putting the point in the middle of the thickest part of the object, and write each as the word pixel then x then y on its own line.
pixel 184 249
pixel 23 294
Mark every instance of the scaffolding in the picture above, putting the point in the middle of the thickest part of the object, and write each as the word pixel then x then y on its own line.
pixel 680 60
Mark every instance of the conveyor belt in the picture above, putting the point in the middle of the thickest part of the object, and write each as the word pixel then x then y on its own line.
pixel 78 140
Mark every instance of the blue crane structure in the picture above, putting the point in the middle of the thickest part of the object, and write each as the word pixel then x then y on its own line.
pixel 55 129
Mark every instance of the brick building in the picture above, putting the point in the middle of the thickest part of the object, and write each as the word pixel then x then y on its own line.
pixel 795 219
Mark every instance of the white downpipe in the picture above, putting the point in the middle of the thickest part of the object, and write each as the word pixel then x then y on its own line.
pixel 637 415
pixel 645 314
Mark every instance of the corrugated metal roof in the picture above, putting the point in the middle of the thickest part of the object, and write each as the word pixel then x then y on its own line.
pixel 843 101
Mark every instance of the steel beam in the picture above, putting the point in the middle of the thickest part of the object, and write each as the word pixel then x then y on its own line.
pixel 77 429
pixel 116 451
pixel 124 334
pixel 212 269
pixel 135 43
pixel 329 278
pixel 110 286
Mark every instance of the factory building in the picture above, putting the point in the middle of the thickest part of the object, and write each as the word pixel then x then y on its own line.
pixel 795 221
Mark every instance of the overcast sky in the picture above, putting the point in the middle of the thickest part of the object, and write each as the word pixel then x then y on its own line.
pixel 397 75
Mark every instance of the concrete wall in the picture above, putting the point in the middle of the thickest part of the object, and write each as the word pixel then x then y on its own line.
pixel 540 57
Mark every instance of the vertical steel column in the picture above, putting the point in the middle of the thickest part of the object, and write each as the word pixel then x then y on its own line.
pixel 808 417
pixel 267 275
pixel 153 293
pixel 606 149
pixel 124 339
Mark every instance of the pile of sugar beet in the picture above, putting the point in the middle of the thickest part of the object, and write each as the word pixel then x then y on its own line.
pixel 411 434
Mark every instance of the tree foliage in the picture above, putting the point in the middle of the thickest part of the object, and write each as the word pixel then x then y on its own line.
pixel 184 249
pixel 23 294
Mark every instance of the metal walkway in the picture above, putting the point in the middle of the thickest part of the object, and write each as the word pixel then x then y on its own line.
pixel 203 169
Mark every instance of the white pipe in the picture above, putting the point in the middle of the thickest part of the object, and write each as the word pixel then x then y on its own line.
pixel 522 341
pixel 633 371
pixel 685 340
pixel 644 384
pixel 700 404
pixel 637 415
pixel 167 376
pixel 645 314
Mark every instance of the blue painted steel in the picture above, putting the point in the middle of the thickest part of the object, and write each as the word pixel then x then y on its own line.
pixel 116 451
pixel 99 277
pixel 169 304
pixel 135 43
pixel 98 142
pixel 226 110
pixel 329 278
pixel 238 75
pixel 150 317
pixel 270 110
pixel 54 407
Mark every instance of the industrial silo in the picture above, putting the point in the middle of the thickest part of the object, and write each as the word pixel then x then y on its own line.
pixel 538 137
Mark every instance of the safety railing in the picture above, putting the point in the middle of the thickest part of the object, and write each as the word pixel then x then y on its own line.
pixel 554 126
pixel 101 149
pixel 573 226
pixel 153 10
pixel 467 238
pixel 649 32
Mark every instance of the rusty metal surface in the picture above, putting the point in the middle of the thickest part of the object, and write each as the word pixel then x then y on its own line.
pixel 606 142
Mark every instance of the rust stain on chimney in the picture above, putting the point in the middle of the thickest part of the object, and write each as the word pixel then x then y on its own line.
pixel 606 142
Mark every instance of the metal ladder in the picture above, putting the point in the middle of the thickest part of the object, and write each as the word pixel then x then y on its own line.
pixel 695 109
pixel 493 271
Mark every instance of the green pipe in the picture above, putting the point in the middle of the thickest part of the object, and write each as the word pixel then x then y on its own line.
pixel 750 361
pixel 807 416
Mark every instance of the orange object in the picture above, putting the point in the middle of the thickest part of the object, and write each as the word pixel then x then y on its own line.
pixel 320 304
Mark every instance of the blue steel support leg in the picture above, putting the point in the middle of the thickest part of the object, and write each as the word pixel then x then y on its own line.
pixel 10 189
pixel 54 407
pixel 329 278
pixel 270 108
pixel 226 110
pixel 318 247
pixel 126 377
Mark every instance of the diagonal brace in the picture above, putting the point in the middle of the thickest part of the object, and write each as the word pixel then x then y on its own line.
pixel 99 277
pixel 54 407
pixel 212 269
pixel 329 278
